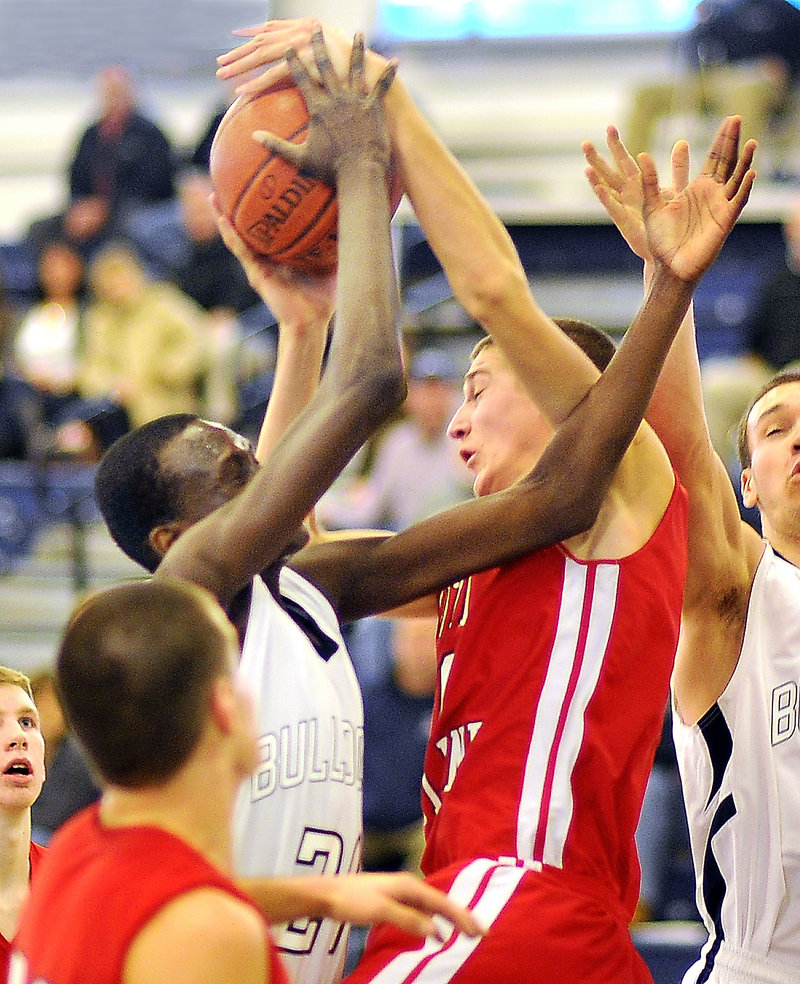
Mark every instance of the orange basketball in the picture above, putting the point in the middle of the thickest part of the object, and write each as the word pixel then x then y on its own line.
pixel 278 212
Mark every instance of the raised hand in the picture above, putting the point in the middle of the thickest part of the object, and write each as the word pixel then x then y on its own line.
pixel 267 46
pixel 619 188
pixel 685 231
pixel 347 121
pixel 295 299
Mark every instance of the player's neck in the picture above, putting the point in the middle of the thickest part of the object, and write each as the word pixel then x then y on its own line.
pixel 194 807
pixel 783 543
pixel 15 840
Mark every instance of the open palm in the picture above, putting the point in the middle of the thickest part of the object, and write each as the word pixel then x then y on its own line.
pixel 685 231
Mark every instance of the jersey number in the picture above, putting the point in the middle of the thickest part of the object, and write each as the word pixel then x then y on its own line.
pixel 321 850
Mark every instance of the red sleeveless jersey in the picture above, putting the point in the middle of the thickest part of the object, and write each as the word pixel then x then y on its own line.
pixel 35 855
pixel 98 889
pixel 553 679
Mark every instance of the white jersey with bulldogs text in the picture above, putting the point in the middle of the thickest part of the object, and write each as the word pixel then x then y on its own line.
pixel 301 811
pixel 740 767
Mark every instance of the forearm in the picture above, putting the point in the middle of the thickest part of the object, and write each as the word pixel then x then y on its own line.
pixel 365 351
pixel 482 264
pixel 297 371
pixel 600 429
pixel 676 410
pixel 467 237
pixel 284 899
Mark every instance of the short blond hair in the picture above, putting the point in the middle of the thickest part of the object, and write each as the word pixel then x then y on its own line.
pixel 14 678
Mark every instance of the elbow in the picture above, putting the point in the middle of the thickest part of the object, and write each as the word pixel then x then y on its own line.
pixel 380 390
pixel 490 288
pixel 390 389
pixel 573 506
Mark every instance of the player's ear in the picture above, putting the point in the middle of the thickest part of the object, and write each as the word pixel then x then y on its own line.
pixel 749 493
pixel 224 705
pixel 162 537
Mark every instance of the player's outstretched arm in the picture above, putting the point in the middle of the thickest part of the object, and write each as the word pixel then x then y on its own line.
pixel 469 240
pixel 676 411
pixel 361 899
pixel 363 382
pixel 684 232
pixel 303 306
pixel 562 496
pixel 723 551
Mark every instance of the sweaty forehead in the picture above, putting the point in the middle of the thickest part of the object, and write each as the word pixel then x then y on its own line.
pixel 203 441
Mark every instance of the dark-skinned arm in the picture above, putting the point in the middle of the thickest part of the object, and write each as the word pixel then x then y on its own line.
pixel 562 495
pixel 363 382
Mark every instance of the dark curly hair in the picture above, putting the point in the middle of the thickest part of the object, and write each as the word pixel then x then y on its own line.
pixel 132 491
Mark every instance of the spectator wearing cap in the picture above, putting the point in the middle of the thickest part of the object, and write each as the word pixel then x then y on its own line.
pixel 416 470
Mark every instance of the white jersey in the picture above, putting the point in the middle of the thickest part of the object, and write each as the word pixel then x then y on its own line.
pixel 301 812
pixel 740 768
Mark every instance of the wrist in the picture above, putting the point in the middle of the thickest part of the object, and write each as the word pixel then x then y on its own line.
pixel 668 282
pixel 367 163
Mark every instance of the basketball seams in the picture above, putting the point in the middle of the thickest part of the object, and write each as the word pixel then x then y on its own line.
pixel 323 215
pixel 297 224
pixel 271 156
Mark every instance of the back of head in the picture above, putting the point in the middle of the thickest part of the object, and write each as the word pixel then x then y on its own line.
pixel 133 493
pixel 134 673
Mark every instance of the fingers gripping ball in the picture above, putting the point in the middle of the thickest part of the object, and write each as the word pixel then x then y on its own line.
pixel 278 212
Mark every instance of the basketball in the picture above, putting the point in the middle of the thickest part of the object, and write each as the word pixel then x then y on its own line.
pixel 281 214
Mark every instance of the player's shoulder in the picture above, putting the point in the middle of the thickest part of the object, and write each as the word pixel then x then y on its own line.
pixel 207 928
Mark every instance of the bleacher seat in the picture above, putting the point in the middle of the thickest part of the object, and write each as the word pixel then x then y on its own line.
pixel 669 948
pixel 33 496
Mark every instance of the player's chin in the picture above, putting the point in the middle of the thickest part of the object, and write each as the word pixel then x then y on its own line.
pixel 483 484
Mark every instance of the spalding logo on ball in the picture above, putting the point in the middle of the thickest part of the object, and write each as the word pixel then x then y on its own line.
pixel 278 212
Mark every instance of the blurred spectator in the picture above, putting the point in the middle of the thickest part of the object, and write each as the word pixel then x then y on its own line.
pixel 23 433
pixel 772 343
pixel 8 323
pixel 179 241
pixel 395 661
pixel 122 161
pixel 47 345
pixel 741 56
pixel 416 470
pixel 22 427
pixel 201 153
pixel 147 343
pixel 69 785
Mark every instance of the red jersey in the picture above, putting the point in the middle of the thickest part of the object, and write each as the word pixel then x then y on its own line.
pixel 35 855
pixel 553 679
pixel 99 888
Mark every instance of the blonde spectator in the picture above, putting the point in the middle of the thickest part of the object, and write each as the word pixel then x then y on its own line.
pixel 147 343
